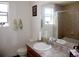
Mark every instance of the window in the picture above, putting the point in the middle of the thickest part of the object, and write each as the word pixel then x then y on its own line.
pixel 48 15
pixel 3 15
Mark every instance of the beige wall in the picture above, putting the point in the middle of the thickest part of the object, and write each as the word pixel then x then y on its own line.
pixel 70 21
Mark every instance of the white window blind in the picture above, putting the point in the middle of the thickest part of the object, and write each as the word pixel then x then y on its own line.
pixel 48 15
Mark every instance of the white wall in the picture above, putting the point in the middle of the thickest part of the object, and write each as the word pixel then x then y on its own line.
pixel 36 20
pixel 11 40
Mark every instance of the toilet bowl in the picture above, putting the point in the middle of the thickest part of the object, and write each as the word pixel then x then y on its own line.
pixel 22 52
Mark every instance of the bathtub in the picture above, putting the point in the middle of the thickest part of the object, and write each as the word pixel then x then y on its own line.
pixel 71 40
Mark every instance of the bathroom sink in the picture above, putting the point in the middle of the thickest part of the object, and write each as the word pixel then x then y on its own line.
pixel 41 46
pixel 61 41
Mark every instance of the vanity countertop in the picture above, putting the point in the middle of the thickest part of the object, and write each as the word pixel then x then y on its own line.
pixel 56 50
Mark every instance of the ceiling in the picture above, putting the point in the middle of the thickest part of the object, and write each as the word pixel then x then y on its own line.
pixel 63 2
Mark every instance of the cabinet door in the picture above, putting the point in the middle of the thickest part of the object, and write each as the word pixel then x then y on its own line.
pixel 31 52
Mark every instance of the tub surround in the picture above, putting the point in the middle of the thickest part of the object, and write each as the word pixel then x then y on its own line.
pixel 57 50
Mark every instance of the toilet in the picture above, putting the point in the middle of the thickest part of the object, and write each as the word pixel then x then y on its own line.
pixel 22 52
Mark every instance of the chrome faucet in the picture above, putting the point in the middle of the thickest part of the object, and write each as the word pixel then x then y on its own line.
pixel 51 40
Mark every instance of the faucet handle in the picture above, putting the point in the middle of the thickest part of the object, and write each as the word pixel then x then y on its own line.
pixel 50 40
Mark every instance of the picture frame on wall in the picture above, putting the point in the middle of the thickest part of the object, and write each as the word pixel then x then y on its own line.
pixel 34 10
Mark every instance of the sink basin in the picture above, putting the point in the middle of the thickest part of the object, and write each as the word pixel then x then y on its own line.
pixel 41 46
pixel 61 41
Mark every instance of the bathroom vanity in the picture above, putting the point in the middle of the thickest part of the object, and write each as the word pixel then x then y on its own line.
pixel 56 51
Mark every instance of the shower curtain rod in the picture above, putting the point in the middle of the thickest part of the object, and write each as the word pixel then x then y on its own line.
pixel 67 10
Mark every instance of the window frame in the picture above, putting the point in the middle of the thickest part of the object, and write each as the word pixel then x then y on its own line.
pixel 1 23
